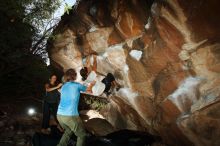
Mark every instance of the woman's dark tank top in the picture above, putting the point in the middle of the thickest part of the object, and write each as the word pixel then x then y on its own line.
pixel 52 96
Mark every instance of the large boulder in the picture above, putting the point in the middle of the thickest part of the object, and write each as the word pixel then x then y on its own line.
pixel 165 55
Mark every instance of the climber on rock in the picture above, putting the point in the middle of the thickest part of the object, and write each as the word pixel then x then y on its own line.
pixel 103 83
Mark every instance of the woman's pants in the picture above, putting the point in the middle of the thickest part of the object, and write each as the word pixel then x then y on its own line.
pixel 49 109
pixel 71 125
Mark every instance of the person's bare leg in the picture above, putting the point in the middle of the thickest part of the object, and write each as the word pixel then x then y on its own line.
pixel 88 63
pixel 91 67
pixel 94 66
pixel 116 85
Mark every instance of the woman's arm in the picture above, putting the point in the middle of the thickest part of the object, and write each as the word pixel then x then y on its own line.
pixel 48 89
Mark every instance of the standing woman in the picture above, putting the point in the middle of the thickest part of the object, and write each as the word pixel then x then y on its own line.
pixel 67 114
pixel 51 102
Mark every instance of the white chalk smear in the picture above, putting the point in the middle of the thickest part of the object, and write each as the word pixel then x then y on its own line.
pixel 136 54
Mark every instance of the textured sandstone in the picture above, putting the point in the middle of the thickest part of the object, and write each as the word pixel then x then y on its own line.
pixel 174 85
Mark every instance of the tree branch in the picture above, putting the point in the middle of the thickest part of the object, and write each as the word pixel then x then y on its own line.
pixel 35 47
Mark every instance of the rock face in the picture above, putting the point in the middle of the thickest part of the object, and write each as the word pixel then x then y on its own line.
pixel 166 56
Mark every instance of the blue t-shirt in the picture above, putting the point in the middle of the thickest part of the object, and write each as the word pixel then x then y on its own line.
pixel 69 100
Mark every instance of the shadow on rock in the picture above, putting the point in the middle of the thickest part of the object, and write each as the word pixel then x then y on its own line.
pixel 119 138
